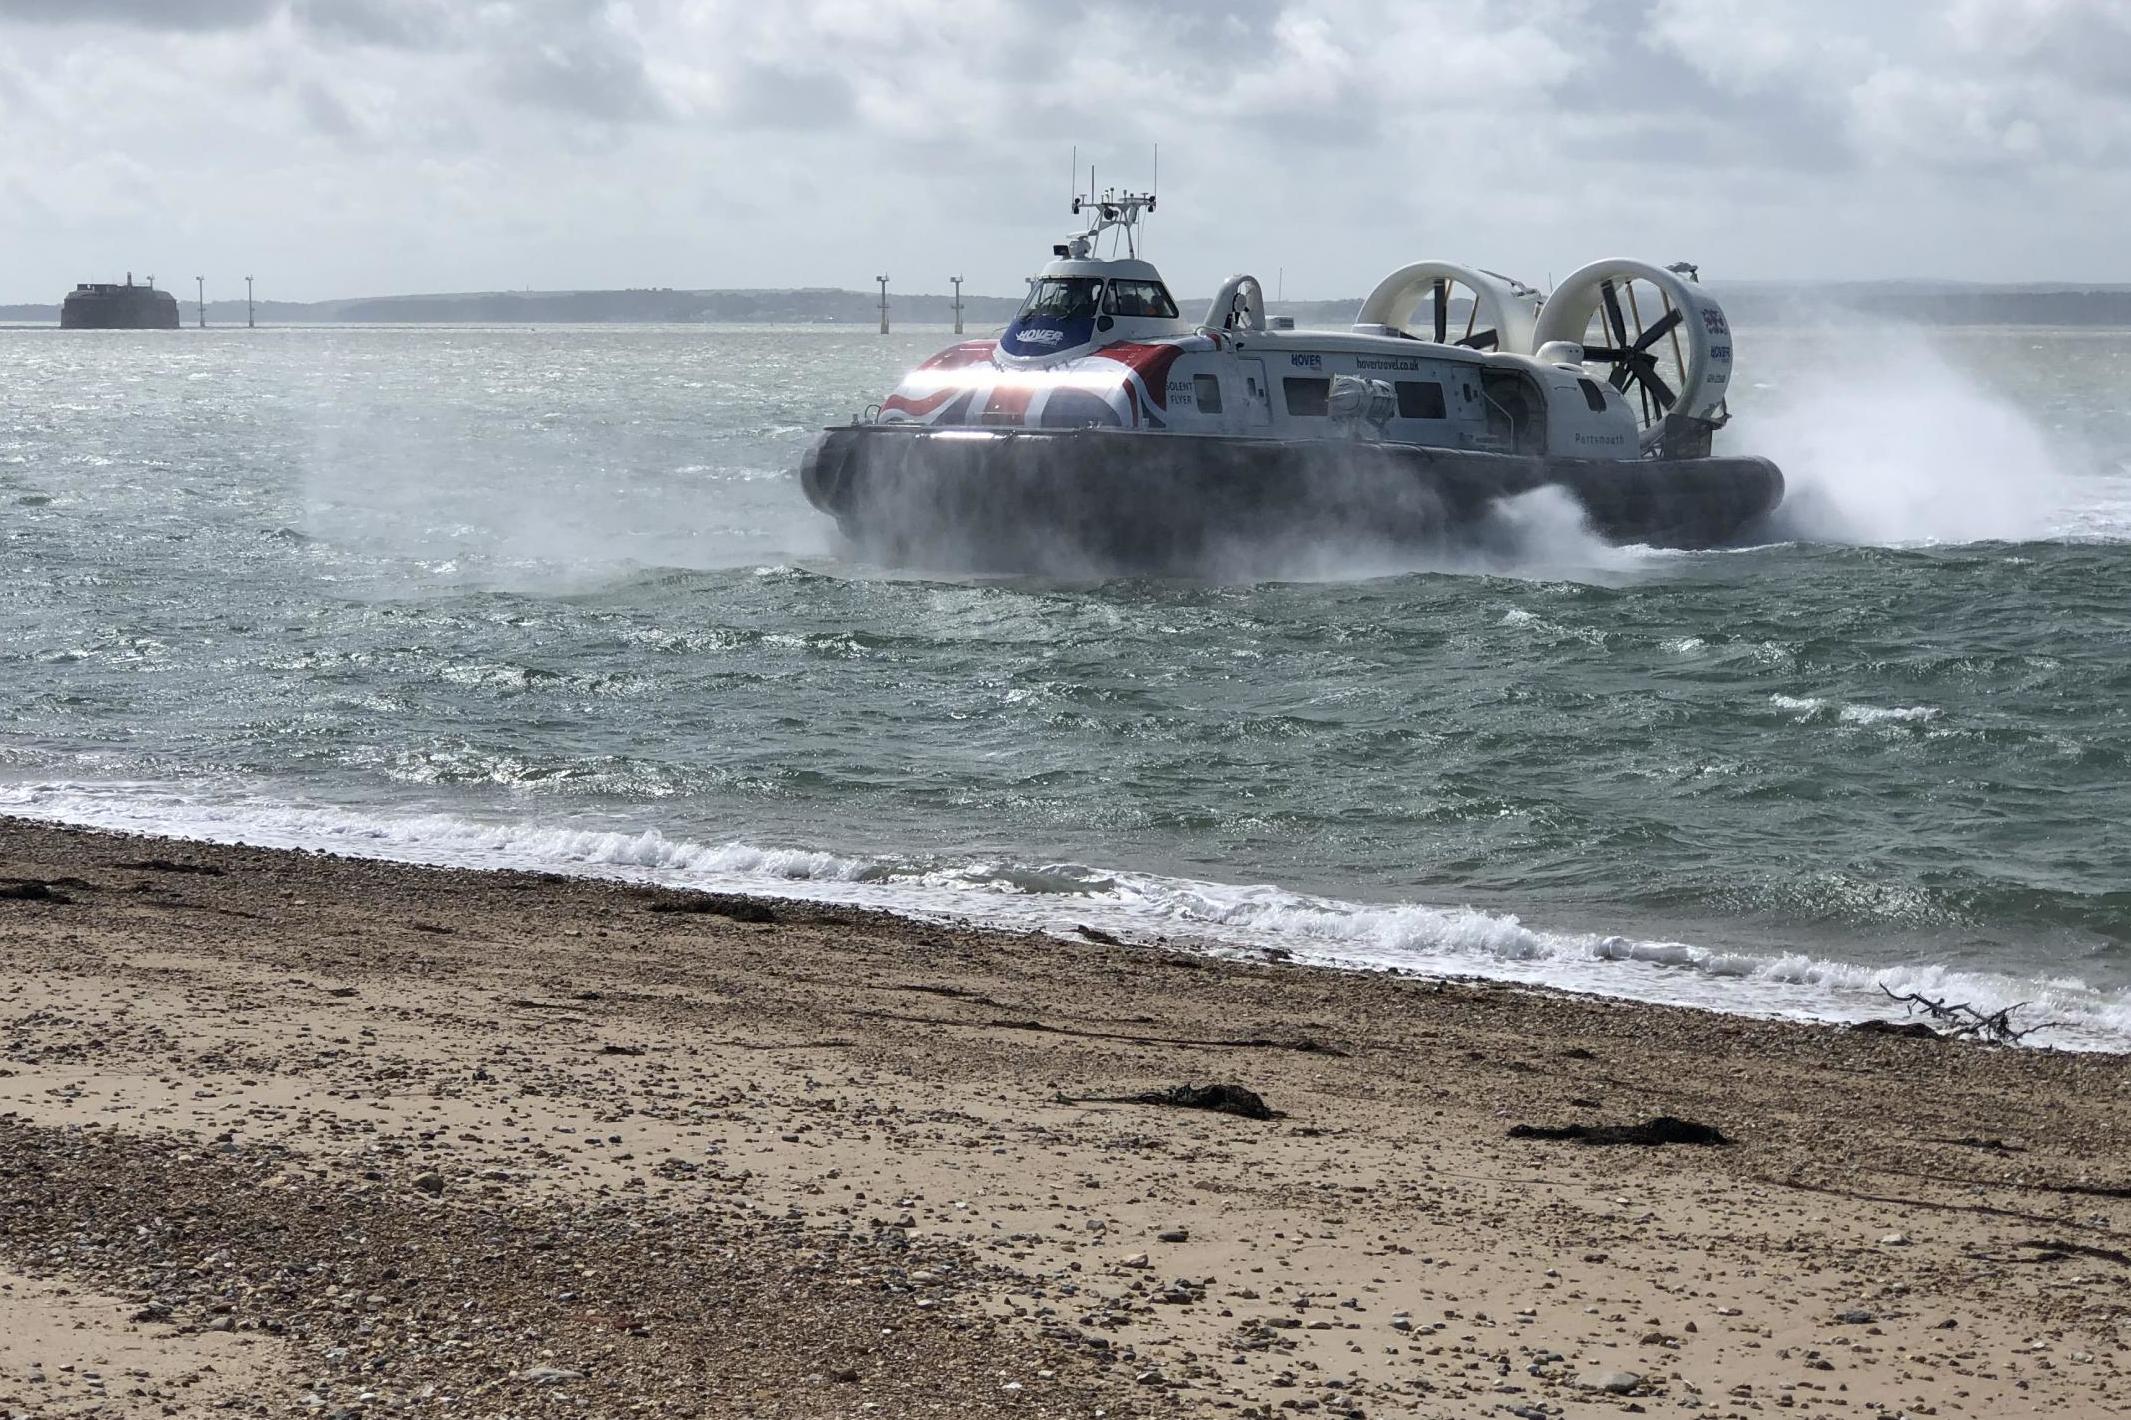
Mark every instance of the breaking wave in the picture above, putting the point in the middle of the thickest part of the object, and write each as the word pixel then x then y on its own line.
pixel 1219 918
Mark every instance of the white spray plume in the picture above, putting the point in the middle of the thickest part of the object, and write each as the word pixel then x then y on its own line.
pixel 1541 535
pixel 1882 441
pixel 1547 534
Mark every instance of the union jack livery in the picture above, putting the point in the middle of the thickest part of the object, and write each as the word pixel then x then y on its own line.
pixel 1121 386
pixel 1101 430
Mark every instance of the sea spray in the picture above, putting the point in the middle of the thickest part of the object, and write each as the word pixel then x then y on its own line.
pixel 540 485
pixel 1882 440
pixel 1544 534
pixel 1541 535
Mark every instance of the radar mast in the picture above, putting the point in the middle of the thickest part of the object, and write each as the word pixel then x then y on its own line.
pixel 1115 212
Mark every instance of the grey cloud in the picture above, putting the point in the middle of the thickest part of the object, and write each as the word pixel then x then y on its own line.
pixel 325 112
pixel 766 97
pixel 569 57
pixel 589 80
pixel 2087 42
pixel 397 24
pixel 1747 127
pixel 145 14
pixel 1650 106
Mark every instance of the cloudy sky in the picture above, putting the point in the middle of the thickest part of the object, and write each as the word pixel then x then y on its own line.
pixel 356 147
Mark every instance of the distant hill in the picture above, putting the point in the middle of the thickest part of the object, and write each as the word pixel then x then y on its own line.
pixel 1749 303
pixel 812 306
pixel 815 306
pixel 1924 303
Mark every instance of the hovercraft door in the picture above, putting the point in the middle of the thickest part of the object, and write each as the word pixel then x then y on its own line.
pixel 1258 395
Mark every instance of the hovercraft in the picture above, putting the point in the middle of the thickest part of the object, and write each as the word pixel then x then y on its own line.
pixel 1104 432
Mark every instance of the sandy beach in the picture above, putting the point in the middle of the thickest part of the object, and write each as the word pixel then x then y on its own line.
pixel 292 1134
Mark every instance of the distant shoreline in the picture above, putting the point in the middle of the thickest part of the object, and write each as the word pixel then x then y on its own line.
pixel 1750 303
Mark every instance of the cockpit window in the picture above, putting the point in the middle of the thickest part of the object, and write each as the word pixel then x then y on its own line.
pixel 1138 298
pixel 1062 298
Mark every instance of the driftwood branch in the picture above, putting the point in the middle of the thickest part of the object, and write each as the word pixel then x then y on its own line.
pixel 1963 1021
pixel 2057 1249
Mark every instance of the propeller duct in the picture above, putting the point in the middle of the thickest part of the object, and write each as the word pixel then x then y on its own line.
pixel 1661 341
pixel 1452 304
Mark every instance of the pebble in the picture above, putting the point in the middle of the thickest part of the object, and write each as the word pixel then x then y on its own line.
pixel 431 1183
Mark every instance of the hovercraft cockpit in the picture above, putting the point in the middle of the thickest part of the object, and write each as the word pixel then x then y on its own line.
pixel 1080 301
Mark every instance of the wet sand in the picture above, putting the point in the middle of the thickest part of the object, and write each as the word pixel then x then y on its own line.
pixel 286 1133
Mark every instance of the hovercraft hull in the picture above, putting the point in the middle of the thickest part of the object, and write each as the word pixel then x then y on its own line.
pixel 1110 501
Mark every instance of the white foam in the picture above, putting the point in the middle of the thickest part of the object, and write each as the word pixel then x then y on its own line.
pixel 442 839
pixel 1883 441
pixel 1881 714
pixel 1224 917
pixel 1810 707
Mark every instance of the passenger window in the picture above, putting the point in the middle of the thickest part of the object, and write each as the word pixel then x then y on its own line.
pixel 1593 395
pixel 1138 298
pixel 1420 399
pixel 1207 390
pixel 1306 396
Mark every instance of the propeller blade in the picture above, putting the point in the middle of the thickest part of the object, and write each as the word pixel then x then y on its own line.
pixel 1603 352
pixel 1442 310
pixel 1483 340
pixel 1614 319
pixel 1649 384
pixel 1650 337
pixel 1659 390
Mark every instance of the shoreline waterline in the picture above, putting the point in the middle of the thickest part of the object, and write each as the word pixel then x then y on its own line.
pixel 1209 919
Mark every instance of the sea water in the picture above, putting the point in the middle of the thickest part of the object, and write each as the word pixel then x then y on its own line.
pixel 551 598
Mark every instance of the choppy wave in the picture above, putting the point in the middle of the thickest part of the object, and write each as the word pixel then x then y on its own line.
pixel 1815 707
pixel 1411 937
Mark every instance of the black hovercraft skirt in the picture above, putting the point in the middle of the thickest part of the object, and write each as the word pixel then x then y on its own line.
pixel 1111 502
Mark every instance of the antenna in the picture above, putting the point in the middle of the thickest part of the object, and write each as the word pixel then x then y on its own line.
pixel 1154 190
pixel 1075 175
